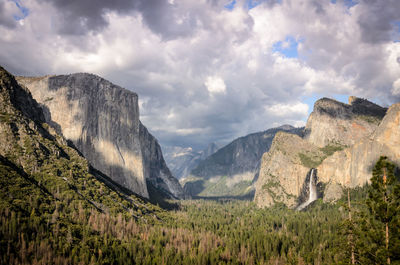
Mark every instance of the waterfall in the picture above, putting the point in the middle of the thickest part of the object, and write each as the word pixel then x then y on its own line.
pixel 312 192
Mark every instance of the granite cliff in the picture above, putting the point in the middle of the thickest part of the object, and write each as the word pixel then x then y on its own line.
pixel 333 133
pixel 41 175
pixel 233 169
pixel 333 122
pixel 352 166
pixel 102 121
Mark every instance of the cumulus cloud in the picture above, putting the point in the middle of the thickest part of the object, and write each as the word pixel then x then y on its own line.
pixel 205 73
pixel 215 85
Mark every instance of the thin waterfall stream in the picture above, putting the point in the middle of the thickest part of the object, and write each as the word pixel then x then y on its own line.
pixel 312 192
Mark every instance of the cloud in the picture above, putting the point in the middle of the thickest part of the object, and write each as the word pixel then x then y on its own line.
pixel 376 19
pixel 203 72
pixel 8 10
pixel 288 110
pixel 396 88
pixel 215 85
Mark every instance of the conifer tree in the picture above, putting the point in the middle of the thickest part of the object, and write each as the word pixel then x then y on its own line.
pixel 381 238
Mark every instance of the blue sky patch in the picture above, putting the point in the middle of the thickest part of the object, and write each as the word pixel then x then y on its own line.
pixel 249 4
pixel 396 31
pixel 348 3
pixel 231 5
pixel 310 101
pixel 288 47
pixel 24 11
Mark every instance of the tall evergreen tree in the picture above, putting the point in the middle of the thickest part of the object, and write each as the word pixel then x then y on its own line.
pixel 381 235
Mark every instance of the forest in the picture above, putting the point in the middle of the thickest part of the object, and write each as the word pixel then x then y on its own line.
pixel 363 230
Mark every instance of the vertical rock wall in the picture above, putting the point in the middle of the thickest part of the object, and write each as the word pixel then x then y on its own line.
pixel 102 121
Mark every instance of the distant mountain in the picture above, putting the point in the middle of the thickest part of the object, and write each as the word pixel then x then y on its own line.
pixel 182 160
pixel 232 170
pixel 340 145
pixel 102 121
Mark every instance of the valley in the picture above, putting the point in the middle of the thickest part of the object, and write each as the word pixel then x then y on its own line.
pixel 82 181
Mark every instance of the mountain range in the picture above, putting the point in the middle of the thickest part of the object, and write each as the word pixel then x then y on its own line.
pixel 100 121
pixel 233 169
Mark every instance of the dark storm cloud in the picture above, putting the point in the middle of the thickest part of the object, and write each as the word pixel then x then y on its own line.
pixel 78 17
pixel 165 19
pixel 6 19
pixel 376 19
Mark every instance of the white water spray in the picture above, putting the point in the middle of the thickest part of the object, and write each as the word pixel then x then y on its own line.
pixel 312 192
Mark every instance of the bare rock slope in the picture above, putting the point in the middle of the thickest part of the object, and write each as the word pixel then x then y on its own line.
pixel 102 121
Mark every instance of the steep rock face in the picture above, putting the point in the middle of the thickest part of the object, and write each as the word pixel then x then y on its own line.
pixel 41 175
pixel 102 121
pixel 353 166
pixel 232 170
pixel 331 129
pixel 283 171
pixel 182 160
pixel 155 168
pixel 333 122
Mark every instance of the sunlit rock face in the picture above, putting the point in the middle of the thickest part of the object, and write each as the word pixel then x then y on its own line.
pixel 333 122
pixel 352 166
pixel 102 121
pixel 282 172
pixel 342 141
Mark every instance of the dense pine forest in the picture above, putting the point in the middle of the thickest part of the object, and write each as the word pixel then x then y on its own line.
pixel 37 228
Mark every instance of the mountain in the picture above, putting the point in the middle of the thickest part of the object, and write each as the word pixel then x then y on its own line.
pixel 102 121
pixel 332 132
pixel 53 205
pixel 232 170
pixel 182 160
pixel 352 166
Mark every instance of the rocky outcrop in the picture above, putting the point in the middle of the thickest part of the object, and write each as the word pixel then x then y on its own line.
pixel 339 140
pixel 232 170
pixel 352 167
pixel 284 170
pixel 102 121
pixel 333 122
pixel 332 193
pixel 155 169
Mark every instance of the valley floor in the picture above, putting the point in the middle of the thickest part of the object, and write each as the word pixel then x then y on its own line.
pixel 200 232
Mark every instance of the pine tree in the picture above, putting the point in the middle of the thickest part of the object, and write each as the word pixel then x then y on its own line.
pixel 381 228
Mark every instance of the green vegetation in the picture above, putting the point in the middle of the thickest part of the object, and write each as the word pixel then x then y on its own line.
pixel 374 231
pixel 370 119
pixel 42 228
pixel 310 161
pixel 221 187
pixel 217 187
pixel 313 160
pixel 330 149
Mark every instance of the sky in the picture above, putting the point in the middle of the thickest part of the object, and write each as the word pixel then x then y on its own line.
pixel 213 70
